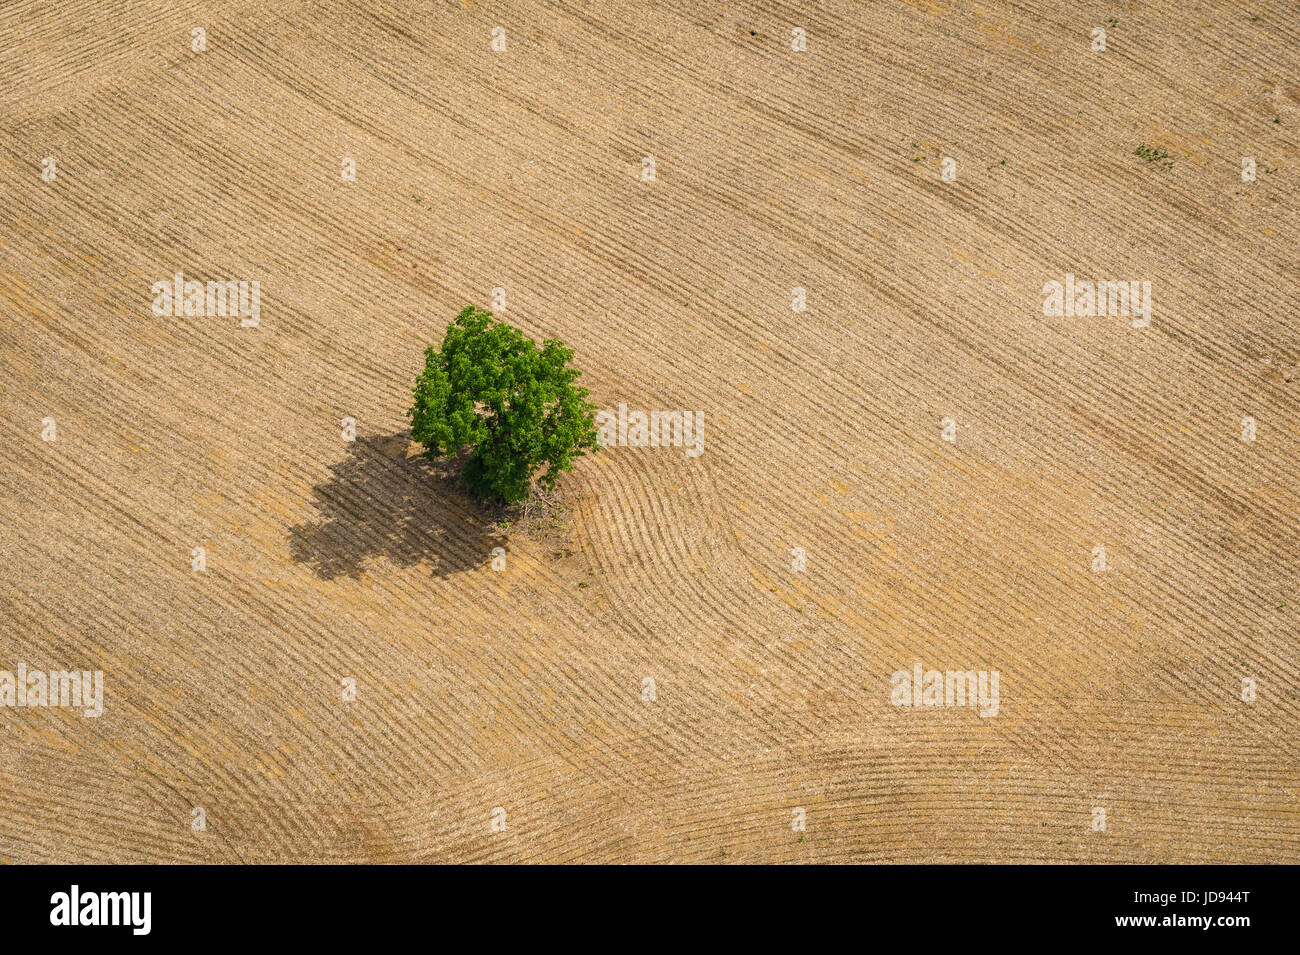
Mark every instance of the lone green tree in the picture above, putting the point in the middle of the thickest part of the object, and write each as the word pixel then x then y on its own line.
pixel 492 389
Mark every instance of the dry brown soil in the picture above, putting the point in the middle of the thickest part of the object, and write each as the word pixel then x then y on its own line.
pixel 523 690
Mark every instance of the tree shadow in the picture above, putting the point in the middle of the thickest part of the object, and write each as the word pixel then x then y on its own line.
pixel 382 500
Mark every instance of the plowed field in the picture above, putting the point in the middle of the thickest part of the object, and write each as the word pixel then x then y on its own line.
pixel 526 690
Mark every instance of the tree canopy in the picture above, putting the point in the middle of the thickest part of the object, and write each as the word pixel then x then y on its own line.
pixel 490 388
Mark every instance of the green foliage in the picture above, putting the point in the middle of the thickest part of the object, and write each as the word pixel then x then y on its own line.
pixel 491 389
pixel 1153 154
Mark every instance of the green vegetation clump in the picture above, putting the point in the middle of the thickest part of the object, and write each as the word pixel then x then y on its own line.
pixel 1153 154
pixel 490 389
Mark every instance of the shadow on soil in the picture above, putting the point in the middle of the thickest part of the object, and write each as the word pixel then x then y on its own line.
pixel 378 503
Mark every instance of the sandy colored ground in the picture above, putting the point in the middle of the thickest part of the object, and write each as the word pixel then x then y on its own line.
pixel 774 169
